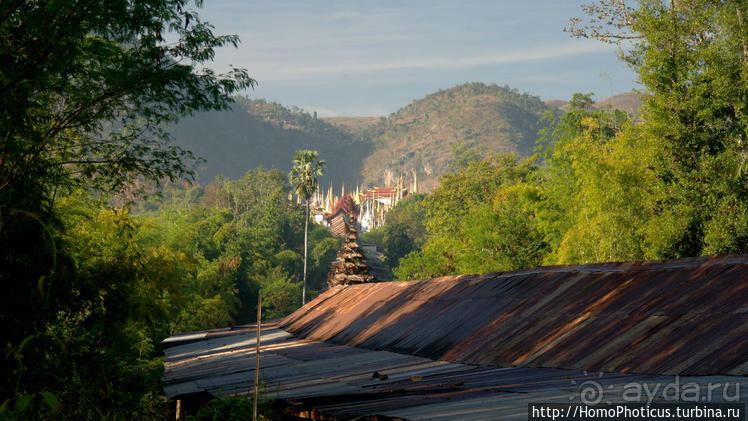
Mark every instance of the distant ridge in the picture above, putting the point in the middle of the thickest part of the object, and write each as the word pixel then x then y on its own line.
pixel 556 103
pixel 258 133
pixel 374 151
pixel 630 102
pixel 418 138
pixel 353 123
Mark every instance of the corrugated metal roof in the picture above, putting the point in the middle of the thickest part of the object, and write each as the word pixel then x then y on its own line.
pixel 338 381
pixel 483 347
pixel 687 317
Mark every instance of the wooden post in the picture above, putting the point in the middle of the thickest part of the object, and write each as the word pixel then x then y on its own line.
pixel 179 409
pixel 257 356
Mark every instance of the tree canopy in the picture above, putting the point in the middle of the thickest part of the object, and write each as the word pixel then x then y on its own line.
pixel 86 89
pixel 692 59
pixel 605 188
pixel 305 172
pixel 87 85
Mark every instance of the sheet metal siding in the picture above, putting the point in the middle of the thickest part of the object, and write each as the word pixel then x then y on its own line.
pixel 687 317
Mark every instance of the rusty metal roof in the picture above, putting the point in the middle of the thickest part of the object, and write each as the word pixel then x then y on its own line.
pixel 339 382
pixel 686 317
pixel 483 347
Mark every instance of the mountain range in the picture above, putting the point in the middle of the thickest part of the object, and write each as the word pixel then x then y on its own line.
pixel 256 133
pixel 415 141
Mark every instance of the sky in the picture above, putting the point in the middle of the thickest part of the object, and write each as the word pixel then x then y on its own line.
pixel 370 58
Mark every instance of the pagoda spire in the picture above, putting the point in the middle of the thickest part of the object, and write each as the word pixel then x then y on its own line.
pixel 329 199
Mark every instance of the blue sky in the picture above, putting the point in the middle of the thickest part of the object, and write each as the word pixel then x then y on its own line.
pixel 356 58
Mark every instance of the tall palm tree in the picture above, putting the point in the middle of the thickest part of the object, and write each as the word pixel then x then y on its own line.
pixel 303 177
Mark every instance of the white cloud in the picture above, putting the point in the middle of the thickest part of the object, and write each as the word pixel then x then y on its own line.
pixel 369 58
pixel 305 71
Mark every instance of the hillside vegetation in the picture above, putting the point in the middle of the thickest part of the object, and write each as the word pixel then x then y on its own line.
pixel 353 123
pixel 419 137
pixel 256 133
pixel 475 118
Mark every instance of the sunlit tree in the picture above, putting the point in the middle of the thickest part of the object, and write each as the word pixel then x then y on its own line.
pixel 306 168
pixel 692 60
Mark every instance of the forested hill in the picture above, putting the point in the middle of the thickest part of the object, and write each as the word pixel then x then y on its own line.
pixel 420 136
pixel 474 119
pixel 258 133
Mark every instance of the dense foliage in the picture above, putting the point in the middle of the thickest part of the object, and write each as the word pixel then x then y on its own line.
pixel 608 189
pixel 404 231
pixel 87 87
pixel 478 220
pixel 90 289
pixel 124 281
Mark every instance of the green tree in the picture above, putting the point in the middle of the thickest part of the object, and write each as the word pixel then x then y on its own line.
pixel 303 176
pixel 97 352
pixel 404 230
pixel 480 219
pixel 249 241
pixel 692 58
pixel 87 88
pixel 594 205
pixel 279 294
pixel 462 155
pixel 323 253
pixel 601 173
